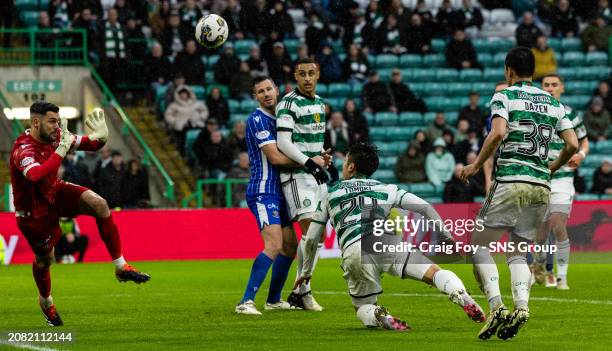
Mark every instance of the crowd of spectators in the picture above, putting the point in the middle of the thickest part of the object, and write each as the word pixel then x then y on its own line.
pixel 118 28
pixel 122 185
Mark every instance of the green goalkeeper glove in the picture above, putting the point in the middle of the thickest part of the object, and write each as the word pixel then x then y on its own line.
pixel 95 126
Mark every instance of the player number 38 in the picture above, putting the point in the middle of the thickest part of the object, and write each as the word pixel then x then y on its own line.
pixel 538 136
pixel 39 337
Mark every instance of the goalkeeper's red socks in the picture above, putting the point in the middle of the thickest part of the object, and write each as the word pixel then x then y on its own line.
pixel 42 277
pixel 110 236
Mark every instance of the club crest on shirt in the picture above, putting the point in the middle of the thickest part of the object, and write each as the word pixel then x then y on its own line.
pixel 27 161
pixel 317 117
pixel 262 134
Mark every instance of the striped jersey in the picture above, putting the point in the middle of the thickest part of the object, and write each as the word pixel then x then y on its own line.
pixel 304 117
pixel 533 117
pixel 345 201
pixel 260 131
pixel 557 144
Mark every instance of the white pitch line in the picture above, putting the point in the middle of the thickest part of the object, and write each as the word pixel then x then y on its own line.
pixel 25 346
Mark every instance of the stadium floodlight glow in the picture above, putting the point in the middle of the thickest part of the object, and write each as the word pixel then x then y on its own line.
pixel 24 112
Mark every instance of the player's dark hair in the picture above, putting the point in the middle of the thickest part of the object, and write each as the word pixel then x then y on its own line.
pixel 365 158
pixel 42 107
pixel 305 61
pixel 521 61
pixel 552 75
pixel 260 79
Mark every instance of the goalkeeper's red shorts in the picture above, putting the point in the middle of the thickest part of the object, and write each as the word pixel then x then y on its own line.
pixel 43 233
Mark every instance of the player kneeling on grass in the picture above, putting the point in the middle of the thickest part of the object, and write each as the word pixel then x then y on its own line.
pixel 344 203
pixel 41 198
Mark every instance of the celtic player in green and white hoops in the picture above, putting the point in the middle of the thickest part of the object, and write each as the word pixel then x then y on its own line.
pixel 344 204
pixel 524 121
pixel 300 126
pixel 561 188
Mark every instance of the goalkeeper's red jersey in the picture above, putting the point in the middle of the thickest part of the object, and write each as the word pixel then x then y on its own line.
pixel 34 167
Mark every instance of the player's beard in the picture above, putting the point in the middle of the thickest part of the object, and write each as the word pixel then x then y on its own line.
pixel 48 137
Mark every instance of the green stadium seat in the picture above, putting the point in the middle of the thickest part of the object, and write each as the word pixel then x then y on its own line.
pixel 438 103
pixel 485 59
pixel 356 89
pixel 482 45
pixel 499 59
pixel 419 88
pixel 597 58
pixel 434 199
pixel 409 119
pixel 29 18
pixel 470 75
pixel 234 105
pixel 493 74
pixel 438 45
pixel 211 61
pixel 199 92
pixel 555 44
pixel 406 74
pixel 501 45
pixel 571 44
pixel 322 89
pixel 339 90
pixel 573 58
pixel 371 60
pixel 452 116
pixel 384 175
pixel 292 45
pixel 337 46
pixel 369 118
pixel 435 89
pixel 593 72
pixel 409 61
pixel 485 89
pixel 581 86
pixel 337 104
pixel 386 61
pixel 423 189
pixel 386 149
pixel 388 162
pixel 23 5
pixel 238 117
pixel 424 75
pixel 587 197
pixel 587 172
pixel 209 77
pixel 594 160
pixel 578 102
pixel 398 134
pixel 243 46
pixel 434 60
pixel 378 133
pixel 568 73
pixel 428 118
pixel 160 92
pixel 603 147
pixel 244 57
pixel 190 138
pixel 385 119
pixel 247 106
pixel 459 89
pixel 447 75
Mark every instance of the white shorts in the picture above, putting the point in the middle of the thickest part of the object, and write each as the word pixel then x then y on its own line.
pixel 302 196
pixel 363 279
pixel 518 207
pixel 561 196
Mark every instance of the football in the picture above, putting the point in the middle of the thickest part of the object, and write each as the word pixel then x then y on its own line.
pixel 211 31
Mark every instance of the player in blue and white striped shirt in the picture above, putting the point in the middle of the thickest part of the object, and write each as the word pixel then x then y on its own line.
pixel 266 201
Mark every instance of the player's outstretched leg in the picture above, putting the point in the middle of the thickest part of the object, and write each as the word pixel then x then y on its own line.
pixel 302 298
pixel 94 205
pixel 373 316
pixel 280 271
pixel 519 275
pixel 42 277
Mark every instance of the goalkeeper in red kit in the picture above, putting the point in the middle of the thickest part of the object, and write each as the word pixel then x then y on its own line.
pixel 41 198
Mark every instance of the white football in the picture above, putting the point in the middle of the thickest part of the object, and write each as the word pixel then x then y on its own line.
pixel 211 31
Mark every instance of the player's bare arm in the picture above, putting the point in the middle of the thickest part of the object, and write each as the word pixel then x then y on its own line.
pixel 578 157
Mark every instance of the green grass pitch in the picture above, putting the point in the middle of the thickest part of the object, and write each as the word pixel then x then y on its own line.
pixel 189 305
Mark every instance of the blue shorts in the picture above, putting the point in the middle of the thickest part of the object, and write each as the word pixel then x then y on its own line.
pixel 268 210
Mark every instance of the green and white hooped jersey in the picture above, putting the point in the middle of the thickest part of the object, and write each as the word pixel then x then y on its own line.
pixel 557 144
pixel 533 118
pixel 344 203
pixel 304 117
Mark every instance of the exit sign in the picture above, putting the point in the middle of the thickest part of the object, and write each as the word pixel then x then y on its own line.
pixel 30 86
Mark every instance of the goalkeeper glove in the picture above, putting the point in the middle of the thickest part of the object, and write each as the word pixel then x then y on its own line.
pixel 317 171
pixel 95 126
pixel 66 139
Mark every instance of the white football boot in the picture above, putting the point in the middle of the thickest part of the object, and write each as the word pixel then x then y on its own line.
pixel 248 307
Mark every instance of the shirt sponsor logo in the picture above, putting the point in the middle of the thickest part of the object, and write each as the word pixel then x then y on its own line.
pixel 263 134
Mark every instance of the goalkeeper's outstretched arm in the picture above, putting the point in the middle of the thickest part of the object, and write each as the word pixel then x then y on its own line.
pixel 97 132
